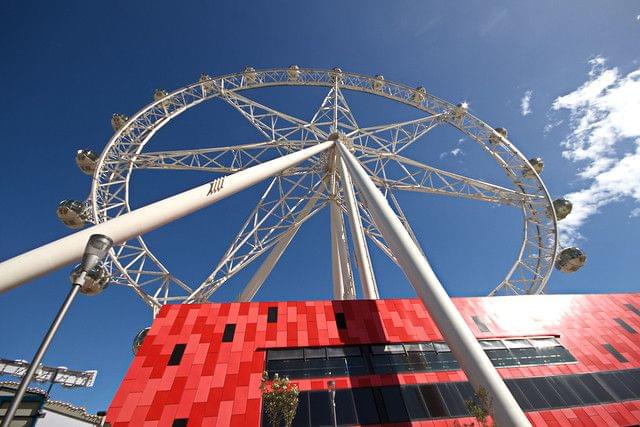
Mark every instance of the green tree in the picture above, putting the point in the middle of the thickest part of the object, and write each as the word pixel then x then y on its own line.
pixel 280 399
pixel 481 406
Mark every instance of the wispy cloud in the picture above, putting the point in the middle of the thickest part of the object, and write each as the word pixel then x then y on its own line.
pixel 604 135
pixel 525 103
pixel 455 153
pixel 492 22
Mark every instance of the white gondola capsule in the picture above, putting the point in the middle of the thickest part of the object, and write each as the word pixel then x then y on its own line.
pixel 562 207
pixel 570 260
pixel 537 164
pixel 250 75
pixel 460 111
pixel 498 135
pixel 207 83
pixel 118 121
pixel 87 161
pixel 158 94
pixel 96 280
pixel 72 213
pixel 293 72
pixel 377 83
pixel 139 339
pixel 336 74
pixel 419 95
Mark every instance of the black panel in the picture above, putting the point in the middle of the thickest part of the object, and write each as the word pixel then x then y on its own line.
pixel 502 357
pixel 320 409
pixel 345 409
pixel 631 379
pixel 302 413
pixel 433 400
pixel 229 332
pixel 520 397
pixel 272 315
pixel 414 403
pixel 180 422
pixel 550 394
pixel 452 399
pixel 627 327
pixel 176 354
pixel 568 394
pixel 341 322
pixel 580 389
pixel 615 385
pixel 394 405
pixel 366 407
pixel 482 327
pixel 532 393
pixel 285 354
pixel 611 349
pixel 633 308
pixel 594 387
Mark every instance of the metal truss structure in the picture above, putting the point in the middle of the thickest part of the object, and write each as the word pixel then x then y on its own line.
pixel 46 374
pixel 299 192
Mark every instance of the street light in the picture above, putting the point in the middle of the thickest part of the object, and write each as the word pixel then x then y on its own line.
pixel 88 278
pixel 331 387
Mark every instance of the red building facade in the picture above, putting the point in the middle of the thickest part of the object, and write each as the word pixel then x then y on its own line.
pixel 568 359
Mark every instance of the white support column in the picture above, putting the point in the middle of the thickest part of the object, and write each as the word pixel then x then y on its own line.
pixel 455 331
pixel 266 267
pixel 336 268
pixel 54 255
pixel 367 277
pixel 349 291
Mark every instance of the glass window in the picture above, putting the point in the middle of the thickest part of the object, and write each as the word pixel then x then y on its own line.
pixel 229 332
pixel 341 321
pixel 517 343
pixel 580 389
pixel 284 354
pixel 302 413
pixel 366 407
pixel 414 403
pixel 394 405
pixel 345 409
pixel 320 409
pixel 452 399
pixel 633 308
pixel 492 344
pixel 343 351
pixel 631 381
pixel 519 395
pixel 315 353
pixel 416 362
pixel 441 347
pixel 176 354
pixel 532 393
pixel 526 356
pixel 427 346
pixel 627 327
pixel 544 342
pixel 482 327
pixel 615 385
pixel 466 391
pixel 562 387
pixel 272 315
pixel 387 349
pixel 615 353
pixel 502 357
pixel 433 400
pixel 594 387
pixel 549 393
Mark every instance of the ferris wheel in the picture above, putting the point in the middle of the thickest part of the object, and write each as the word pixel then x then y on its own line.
pixel 321 181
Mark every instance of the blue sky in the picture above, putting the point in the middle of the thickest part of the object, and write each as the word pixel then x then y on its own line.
pixel 66 67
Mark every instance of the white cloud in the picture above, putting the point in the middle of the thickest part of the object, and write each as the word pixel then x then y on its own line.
pixel 525 103
pixel 604 124
pixel 455 153
pixel 635 213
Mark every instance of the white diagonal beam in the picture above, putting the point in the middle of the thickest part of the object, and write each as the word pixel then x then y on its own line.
pixel 473 360
pixel 49 257
pixel 395 137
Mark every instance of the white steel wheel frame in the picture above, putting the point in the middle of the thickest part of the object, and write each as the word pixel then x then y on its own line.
pixel 137 267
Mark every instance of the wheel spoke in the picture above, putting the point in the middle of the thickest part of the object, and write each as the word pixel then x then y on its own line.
pixel 400 173
pixel 272 123
pixel 218 159
pixel 395 137
pixel 275 215
pixel 334 114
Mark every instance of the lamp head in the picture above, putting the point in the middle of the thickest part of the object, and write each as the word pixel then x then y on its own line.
pixel 97 248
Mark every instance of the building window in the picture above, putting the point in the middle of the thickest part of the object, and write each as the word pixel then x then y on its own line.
pixel 615 353
pixel 405 403
pixel 341 322
pixel 482 327
pixel 627 327
pixel 633 308
pixel 272 314
pixel 180 422
pixel 317 362
pixel 176 354
pixel 229 332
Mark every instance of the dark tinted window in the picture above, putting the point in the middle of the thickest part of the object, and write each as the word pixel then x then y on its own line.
pixel 433 400
pixel 615 385
pixel 633 308
pixel 611 349
pixel 452 399
pixel 366 407
pixel 630 380
pixel 176 354
pixel 341 322
pixel 180 422
pixel 320 409
pixel 567 393
pixel 414 403
pixel 393 404
pixel 284 354
pixel 627 327
pixel 482 327
pixel 229 332
pixel 580 389
pixel 532 393
pixel 345 410
pixel 550 394
pixel 594 387
pixel 272 314
pixel 302 413
pixel 519 395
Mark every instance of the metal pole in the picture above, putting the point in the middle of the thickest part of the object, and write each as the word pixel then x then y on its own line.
pixel 332 403
pixel 336 267
pixel 37 359
pixel 465 347
pixel 54 255
pixel 367 278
